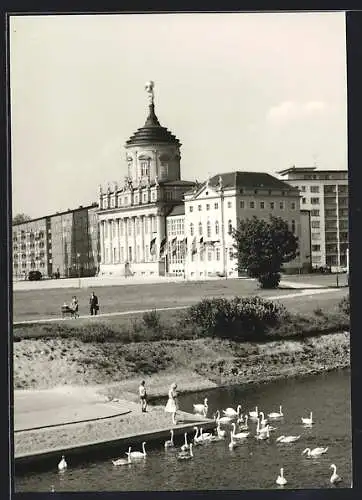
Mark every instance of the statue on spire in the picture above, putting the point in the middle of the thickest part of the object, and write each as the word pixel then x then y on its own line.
pixel 149 89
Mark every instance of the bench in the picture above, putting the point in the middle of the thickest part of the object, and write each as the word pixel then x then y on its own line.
pixel 66 310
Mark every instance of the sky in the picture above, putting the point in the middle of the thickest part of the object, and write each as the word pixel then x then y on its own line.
pixel 250 92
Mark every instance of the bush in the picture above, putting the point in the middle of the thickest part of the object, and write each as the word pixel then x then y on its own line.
pixel 152 320
pixel 344 306
pixel 269 280
pixel 239 319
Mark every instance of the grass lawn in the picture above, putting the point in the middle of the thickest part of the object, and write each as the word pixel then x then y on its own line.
pixel 36 304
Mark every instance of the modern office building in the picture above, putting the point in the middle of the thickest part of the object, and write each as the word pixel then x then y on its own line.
pixel 64 244
pixel 325 194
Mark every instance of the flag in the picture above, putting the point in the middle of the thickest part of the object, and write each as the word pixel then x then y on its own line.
pixel 201 240
pixel 193 246
pixel 163 248
pixel 153 246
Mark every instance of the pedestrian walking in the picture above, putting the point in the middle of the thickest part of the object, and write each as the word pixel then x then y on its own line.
pixel 74 306
pixel 143 396
pixel 172 403
pixel 93 304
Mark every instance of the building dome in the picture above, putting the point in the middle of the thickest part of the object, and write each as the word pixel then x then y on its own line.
pixel 152 132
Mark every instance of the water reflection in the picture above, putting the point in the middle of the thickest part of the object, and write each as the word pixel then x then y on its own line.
pixel 252 465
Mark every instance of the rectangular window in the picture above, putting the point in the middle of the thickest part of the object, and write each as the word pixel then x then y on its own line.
pixel 316 236
pixel 229 204
pixel 314 189
pixel 242 204
pixel 302 188
pixel 252 204
pixel 216 206
pixel 191 208
pixel 304 201
pixel 314 213
pixel 209 255
pixel 281 205
pixel 199 208
pixel 272 205
pixel 314 201
pixel 316 248
pixel 292 205
pixel 207 207
pixel 262 205
pixel 316 224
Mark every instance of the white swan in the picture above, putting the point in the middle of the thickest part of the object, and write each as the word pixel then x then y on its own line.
pixel 186 454
pixel 62 464
pixel 287 439
pixel 221 433
pixel 316 452
pixel 123 461
pixel 335 478
pixel 264 434
pixel 197 438
pixel 170 443
pixel 230 412
pixel 239 435
pixel 233 444
pixel 308 421
pixel 244 426
pixel 254 414
pixel 201 408
pixel 276 414
pixel 260 429
pixel 205 436
pixel 138 454
pixel 281 479
pixel 186 445
pixel 222 420
pixel 263 420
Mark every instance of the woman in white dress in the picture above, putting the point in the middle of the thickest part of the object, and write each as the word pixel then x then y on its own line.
pixel 172 403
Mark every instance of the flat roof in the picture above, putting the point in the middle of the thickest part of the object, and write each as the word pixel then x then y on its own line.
pixel 70 210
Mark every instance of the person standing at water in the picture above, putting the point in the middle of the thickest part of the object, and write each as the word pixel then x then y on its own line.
pixel 74 306
pixel 172 403
pixel 143 396
pixel 93 304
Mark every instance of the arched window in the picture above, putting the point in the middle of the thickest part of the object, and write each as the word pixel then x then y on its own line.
pixel 191 229
pixel 230 227
pixel 200 228
pixel 217 227
pixel 208 229
pixel 293 226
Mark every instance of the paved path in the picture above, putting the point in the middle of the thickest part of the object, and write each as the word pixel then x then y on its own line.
pixel 303 291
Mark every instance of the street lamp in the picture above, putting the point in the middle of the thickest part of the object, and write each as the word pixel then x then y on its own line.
pixel 78 259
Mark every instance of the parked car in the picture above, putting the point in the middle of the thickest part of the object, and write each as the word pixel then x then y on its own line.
pixel 34 276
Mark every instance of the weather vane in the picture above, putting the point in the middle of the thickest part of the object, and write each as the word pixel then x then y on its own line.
pixel 149 89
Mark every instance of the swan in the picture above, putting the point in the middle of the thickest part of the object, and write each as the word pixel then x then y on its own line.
pixel 222 420
pixel 197 439
pixel 276 414
pixel 308 421
pixel 123 461
pixel 244 426
pixel 281 479
pixel 263 419
pixel 287 439
pixel 260 429
pixel 239 435
pixel 230 412
pixel 254 414
pixel 233 443
pixel 170 443
pixel 335 478
pixel 316 452
pixel 186 455
pixel 62 464
pixel 201 408
pixel 186 445
pixel 205 436
pixel 138 454
pixel 221 433
pixel 264 435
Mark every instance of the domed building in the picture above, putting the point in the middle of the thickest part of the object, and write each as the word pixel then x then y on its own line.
pixel 132 213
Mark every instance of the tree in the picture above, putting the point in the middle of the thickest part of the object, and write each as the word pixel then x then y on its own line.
pixel 262 247
pixel 19 218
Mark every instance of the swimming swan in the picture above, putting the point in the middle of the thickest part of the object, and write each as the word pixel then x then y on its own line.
pixel 201 408
pixel 264 435
pixel 263 420
pixel 239 435
pixel 287 439
pixel 222 420
pixel 170 443
pixel 335 478
pixel 138 454
pixel 244 426
pixel 316 452
pixel 123 461
pixel 276 414
pixel 186 455
pixel 308 421
pixel 230 412
pixel 281 479
pixel 62 464
pixel 254 414
pixel 186 445
pixel 221 433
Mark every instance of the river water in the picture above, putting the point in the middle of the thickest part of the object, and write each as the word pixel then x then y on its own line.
pixel 254 464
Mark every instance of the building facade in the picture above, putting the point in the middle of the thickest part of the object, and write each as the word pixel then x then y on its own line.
pixel 132 214
pixel 66 243
pixel 325 194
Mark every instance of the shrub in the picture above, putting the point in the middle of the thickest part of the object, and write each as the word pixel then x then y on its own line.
pixel 344 306
pixel 239 318
pixel 152 320
pixel 269 280
pixel 318 311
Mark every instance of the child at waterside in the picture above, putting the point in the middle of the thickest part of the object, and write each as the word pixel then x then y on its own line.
pixel 143 396
pixel 172 403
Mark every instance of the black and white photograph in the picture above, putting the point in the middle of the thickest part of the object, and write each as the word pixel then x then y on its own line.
pixel 180 251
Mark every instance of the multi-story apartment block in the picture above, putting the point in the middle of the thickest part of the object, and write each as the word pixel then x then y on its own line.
pixel 325 194
pixel 66 243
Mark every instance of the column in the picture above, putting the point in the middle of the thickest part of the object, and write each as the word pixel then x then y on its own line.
pixel 142 246
pixel 125 229
pixel 101 236
pixel 110 222
pixel 134 239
